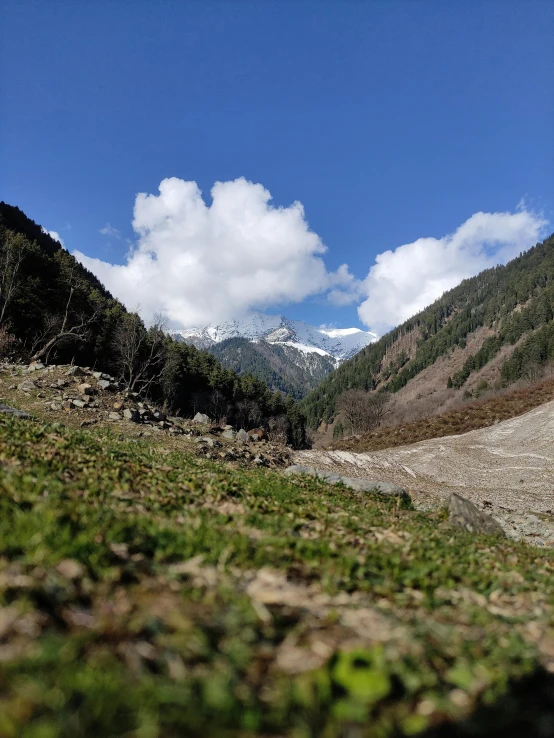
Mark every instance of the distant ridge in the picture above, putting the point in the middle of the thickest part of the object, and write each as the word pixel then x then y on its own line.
pixel 288 355
pixel 340 343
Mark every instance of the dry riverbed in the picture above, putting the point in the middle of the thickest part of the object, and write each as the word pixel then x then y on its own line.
pixel 506 470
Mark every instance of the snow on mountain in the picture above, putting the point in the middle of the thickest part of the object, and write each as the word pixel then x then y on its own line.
pixel 340 343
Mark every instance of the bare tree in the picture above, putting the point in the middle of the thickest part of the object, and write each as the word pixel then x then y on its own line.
pixel 61 328
pixel 140 352
pixel 278 429
pixel 249 414
pixel 12 253
pixel 218 403
pixel 361 410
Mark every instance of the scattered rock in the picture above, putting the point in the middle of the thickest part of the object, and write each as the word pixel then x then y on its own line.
pixel 464 514
pixel 201 418
pixel 35 366
pixel 78 403
pixel 131 415
pixel 105 384
pixel 353 483
pixel 114 416
pixel 229 434
pixel 242 435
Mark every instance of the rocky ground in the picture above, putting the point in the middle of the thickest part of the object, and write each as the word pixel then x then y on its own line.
pixel 506 470
pixel 80 397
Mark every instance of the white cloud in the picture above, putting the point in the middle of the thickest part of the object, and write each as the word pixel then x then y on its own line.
pixel 109 230
pixel 404 281
pixel 55 235
pixel 202 263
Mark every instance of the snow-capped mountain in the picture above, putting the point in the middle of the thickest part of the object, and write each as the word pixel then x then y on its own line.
pixel 339 343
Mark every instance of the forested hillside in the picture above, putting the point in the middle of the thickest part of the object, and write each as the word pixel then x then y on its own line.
pixel 514 303
pixel 283 368
pixel 54 310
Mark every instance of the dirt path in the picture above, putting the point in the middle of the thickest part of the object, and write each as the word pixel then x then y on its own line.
pixel 507 469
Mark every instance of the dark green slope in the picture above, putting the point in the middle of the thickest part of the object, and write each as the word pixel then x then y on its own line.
pixel 282 368
pixel 516 300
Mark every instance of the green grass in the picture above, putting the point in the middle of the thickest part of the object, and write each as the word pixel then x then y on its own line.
pixel 148 594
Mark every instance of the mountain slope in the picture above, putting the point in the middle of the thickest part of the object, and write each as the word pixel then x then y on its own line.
pixel 282 367
pixel 289 355
pixel 505 314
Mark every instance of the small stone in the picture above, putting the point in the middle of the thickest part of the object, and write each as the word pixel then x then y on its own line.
pixel 114 416
pixel 242 435
pixel 85 389
pixel 229 433
pixel 70 568
pixel 27 386
pixel 35 366
pixel 205 441
pixel 159 416
pixel 55 406
pixel 105 384
pixel 85 423
pixel 131 415
pixel 75 371
pixel 201 418
pixel 78 403
pixel 118 405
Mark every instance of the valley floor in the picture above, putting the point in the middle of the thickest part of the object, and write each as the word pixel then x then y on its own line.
pixel 506 469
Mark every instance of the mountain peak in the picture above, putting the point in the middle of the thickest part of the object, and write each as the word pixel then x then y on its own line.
pixel 339 343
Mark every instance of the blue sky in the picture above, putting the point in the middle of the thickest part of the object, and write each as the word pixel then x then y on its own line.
pixel 391 122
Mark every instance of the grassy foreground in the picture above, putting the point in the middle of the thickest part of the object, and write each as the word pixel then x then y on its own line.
pixel 148 594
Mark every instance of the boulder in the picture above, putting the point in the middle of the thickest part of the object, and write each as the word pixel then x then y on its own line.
pixel 357 485
pixel 463 514
pixel 7 410
pixel 201 418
